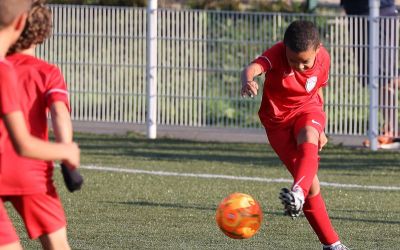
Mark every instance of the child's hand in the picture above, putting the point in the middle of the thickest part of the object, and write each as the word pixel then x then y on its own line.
pixel 249 88
pixel 72 178
pixel 73 160
pixel 322 141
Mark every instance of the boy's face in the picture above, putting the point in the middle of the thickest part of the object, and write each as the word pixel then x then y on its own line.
pixel 301 61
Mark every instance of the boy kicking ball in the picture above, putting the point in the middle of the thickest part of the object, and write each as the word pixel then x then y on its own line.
pixel 292 113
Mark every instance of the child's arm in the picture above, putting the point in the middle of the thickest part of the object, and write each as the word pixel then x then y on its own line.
pixel 62 127
pixel 61 121
pixel 27 145
pixel 249 86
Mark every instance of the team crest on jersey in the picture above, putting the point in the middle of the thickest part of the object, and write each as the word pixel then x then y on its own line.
pixel 310 84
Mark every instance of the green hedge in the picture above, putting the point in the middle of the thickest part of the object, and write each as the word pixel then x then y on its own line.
pixel 233 5
pixel 139 3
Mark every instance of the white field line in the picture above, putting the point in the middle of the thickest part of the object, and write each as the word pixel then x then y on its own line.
pixel 232 177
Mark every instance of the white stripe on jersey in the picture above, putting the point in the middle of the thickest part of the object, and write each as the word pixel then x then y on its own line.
pixel 62 91
pixel 267 60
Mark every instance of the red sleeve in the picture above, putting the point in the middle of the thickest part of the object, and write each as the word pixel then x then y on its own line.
pixel 9 98
pixel 56 88
pixel 264 61
pixel 271 58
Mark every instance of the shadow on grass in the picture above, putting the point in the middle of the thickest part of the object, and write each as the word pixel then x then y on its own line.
pixel 200 156
pixel 177 150
pixel 213 208
pixel 179 206
pixel 136 147
pixel 163 205
pixel 393 222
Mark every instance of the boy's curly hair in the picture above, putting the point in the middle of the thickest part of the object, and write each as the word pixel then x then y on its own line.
pixel 37 28
pixel 301 35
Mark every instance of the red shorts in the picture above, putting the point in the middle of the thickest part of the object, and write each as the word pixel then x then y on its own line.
pixel 41 213
pixel 7 231
pixel 283 139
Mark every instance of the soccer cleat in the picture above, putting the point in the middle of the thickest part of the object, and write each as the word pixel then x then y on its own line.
pixel 292 201
pixel 336 247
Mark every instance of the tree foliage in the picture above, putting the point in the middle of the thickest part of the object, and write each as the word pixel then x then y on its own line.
pixel 231 5
pixel 138 3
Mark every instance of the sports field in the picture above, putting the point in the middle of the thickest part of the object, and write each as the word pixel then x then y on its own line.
pixel 162 194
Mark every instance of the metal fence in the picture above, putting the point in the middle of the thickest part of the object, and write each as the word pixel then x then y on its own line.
pixel 200 54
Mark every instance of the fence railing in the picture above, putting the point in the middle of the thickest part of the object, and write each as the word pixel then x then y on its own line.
pixel 102 53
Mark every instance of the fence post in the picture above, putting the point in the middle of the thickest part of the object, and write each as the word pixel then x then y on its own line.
pixel 151 69
pixel 373 72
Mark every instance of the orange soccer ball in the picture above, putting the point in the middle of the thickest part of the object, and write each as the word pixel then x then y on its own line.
pixel 239 216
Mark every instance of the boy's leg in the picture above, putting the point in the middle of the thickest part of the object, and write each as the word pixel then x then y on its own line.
pixel 314 207
pixel 283 143
pixel 315 211
pixel 43 215
pixel 56 240
pixel 8 237
pixel 11 246
pixel 306 129
pixel 306 166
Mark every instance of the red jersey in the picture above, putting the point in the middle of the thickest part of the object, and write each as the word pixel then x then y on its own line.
pixel 286 91
pixel 40 84
pixel 9 100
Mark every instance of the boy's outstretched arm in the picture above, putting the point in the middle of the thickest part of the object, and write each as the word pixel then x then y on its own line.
pixel 27 145
pixel 249 86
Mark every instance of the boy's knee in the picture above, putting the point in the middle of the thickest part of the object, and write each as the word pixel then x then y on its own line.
pixel 313 192
pixel 315 188
pixel 308 134
pixel 55 240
